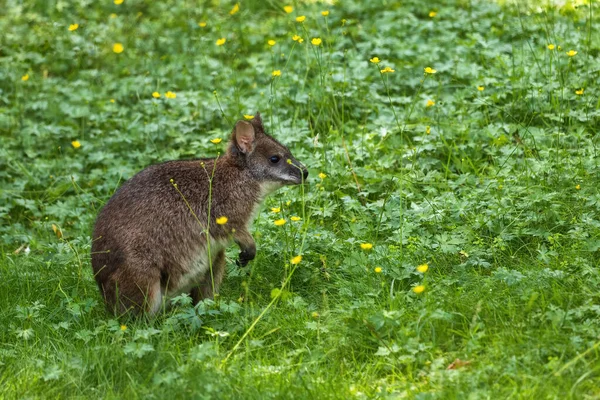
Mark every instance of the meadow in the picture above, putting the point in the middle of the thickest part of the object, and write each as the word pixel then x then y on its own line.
pixel 449 233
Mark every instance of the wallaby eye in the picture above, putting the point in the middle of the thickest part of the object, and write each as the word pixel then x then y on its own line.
pixel 275 159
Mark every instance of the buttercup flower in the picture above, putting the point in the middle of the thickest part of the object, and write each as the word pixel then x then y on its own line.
pixel 316 41
pixel 428 129
pixel 295 219
pixel 235 9
pixel 324 13
pixel 366 246
pixel 480 88
pixel 280 222
pixel 578 187
pixel 423 268
pixel 429 70
pixel 156 95
pixel 216 140
pixel 25 77
pixel 118 48
pixel 170 95
pixel 73 27
pixel 271 42
pixel 123 328
pixel 300 18
pixel 221 220
pixel 296 260
pixel 277 72
pixel 117 2
pixel 419 289
pixel 248 116
pixel 571 53
pixel 297 38
pixel 430 103
pixel 202 24
pixel 377 270
pixel 288 9
pixel 375 60
pixel 579 92
pixel 75 144
pixel 220 42
pixel 386 70
pixel 550 46
pixel 432 14
pixel 112 100
pixel 322 175
pixel 276 209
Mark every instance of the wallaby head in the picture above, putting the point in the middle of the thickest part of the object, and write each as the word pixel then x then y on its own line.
pixel 269 162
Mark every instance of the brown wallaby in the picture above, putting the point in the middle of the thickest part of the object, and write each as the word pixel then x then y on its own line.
pixel 154 238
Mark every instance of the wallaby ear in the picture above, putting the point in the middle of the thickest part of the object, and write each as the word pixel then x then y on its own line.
pixel 257 122
pixel 244 135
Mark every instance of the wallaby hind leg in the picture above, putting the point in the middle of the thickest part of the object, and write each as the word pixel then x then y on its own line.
pixel 205 289
pixel 124 294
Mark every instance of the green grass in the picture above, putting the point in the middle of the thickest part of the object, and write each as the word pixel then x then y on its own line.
pixel 495 189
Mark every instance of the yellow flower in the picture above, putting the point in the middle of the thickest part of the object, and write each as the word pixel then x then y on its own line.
pixel 75 144
pixel 25 77
pixel 550 46
pixel 216 140
pixel 366 246
pixel 378 270
pixel 322 175
pixel 314 314
pixel 429 70
pixel 428 129
pixel 248 116
pixel 288 9
pixel 221 42
pixel 170 95
pixel 324 13
pixel 221 220
pixel 156 95
pixel 579 92
pixel 295 219
pixel 202 24
pixel 386 70
pixel 271 42
pixel 123 327
pixel 112 100
pixel 316 41
pixel 235 9
pixel 571 53
pixel 578 187
pixel 276 209
pixel 277 72
pixel 423 268
pixel 419 289
pixel 280 222
pixel 118 48
pixel 117 2
pixel 73 27
pixel 432 14
pixel 300 18
pixel 375 60
pixel 296 260
pixel 430 103
pixel 297 38
pixel 480 88
pixel 113 15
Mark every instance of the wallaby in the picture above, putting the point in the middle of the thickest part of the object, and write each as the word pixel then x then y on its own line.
pixel 153 238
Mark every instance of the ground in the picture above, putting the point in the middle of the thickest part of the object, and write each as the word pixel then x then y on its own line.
pixel 449 235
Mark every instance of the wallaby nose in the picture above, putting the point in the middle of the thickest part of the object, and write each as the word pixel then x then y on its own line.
pixel 305 174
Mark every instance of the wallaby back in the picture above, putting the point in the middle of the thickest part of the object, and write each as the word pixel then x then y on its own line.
pixel 154 238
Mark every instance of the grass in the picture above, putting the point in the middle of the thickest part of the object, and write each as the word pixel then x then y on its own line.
pixel 495 187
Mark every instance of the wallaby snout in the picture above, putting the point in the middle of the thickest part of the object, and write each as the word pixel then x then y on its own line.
pixel 164 232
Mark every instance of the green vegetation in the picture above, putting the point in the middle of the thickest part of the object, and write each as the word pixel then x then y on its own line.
pixel 494 186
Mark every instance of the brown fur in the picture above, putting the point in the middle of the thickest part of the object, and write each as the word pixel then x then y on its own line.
pixel 147 244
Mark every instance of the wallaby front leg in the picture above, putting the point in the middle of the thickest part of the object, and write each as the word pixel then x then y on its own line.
pixel 247 246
